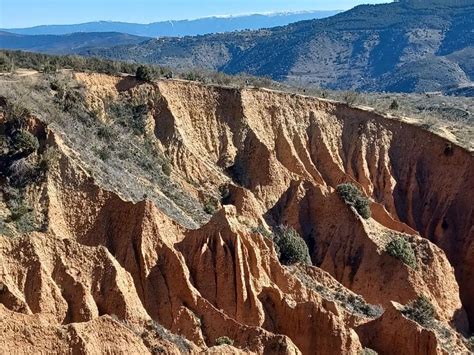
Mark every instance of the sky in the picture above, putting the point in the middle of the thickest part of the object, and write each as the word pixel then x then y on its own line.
pixel 26 13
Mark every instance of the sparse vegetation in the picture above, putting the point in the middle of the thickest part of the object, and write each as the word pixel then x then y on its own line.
pixel 290 247
pixel 225 193
pixel 421 310
pixel 335 292
pixel 470 343
pixel 144 73
pixel 166 168
pixel 211 205
pixel 224 340
pixel 22 165
pixel 23 141
pixel 354 197
pixel 356 304
pixel 351 98
pixel 401 249
pixel 21 218
pixel 260 229
pixel 106 133
pixel 394 105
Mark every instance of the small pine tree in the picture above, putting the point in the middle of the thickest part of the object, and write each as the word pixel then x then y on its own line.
pixel 353 197
pixel 421 311
pixel 394 105
pixel 144 73
pixel 401 249
pixel 24 141
pixel 290 247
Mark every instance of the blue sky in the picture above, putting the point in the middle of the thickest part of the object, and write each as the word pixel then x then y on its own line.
pixel 24 13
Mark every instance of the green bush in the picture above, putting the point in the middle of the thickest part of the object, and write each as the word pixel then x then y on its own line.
pixel 401 249
pixel 22 172
pixel 106 133
pixel 18 208
pixel 353 197
pixel 394 105
pixel 24 141
pixel 421 311
pixel 211 206
pixel 144 73
pixel 225 193
pixel 290 247
pixel 103 154
pixel 224 341
pixel 50 68
pixel 166 168
pixel 138 121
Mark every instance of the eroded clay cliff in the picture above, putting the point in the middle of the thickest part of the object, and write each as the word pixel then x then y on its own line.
pixel 107 274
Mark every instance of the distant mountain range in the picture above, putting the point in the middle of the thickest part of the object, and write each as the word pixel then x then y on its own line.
pixel 406 46
pixel 66 44
pixel 180 28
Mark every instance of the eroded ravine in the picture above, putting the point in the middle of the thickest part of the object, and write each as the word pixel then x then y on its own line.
pixel 280 157
pixel 270 139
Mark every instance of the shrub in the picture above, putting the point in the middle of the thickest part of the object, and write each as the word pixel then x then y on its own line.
pixel 224 341
pixel 394 105
pixel 144 73
pixel 290 247
pixel 351 98
pixel 48 159
pixel 166 168
pixel 362 206
pixel 401 249
pixel 50 68
pixel 470 343
pixel 6 65
pixel 18 208
pixel 193 76
pixel 24 141
pixel 358 305
pixel 210 207
pixel 353 197
pixel 106 133
pixel 224 192
pixel 103 154
pixel 138 121
pixel 421 311
pixel 22 172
